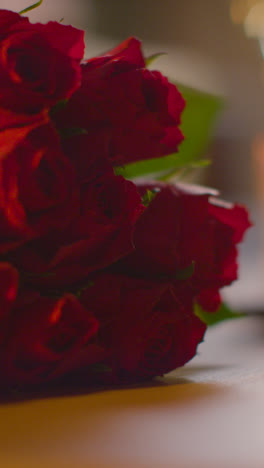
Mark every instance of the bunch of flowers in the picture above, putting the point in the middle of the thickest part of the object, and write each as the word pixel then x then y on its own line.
pixel 99 276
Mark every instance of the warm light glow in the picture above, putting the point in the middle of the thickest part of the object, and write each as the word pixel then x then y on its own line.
pixel 254 21
pixel 239 9
pixel 251 14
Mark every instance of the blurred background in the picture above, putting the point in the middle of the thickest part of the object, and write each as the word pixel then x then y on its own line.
pixel 216 48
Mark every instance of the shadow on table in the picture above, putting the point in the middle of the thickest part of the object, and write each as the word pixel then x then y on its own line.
pixel 172 387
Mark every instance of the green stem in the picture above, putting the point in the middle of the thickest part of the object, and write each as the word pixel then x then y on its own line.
pixel 32 7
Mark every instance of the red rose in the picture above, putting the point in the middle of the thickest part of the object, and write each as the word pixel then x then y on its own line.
pixel 180 228
pixel 37 183
pixel 39 63
pixel 15 127
pixel 9 285
pixel 45 339
pixel 129 50
pixel 88 165
pixel 147 328
pixel 129 113
pixel 8 293
pixel 100 233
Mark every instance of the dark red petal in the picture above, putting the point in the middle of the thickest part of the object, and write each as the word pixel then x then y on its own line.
pixel 67 40
pixel 235 216
pixel 8 19
pixel 8 286
pixel 129 51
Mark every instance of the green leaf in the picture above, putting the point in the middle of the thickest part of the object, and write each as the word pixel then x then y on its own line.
pixel 212 318
pixel 28 274
pixel 152 58
pixel 186 273
pixel 100 368
pixel 80 290
pixel 60 105
pixel 183 171
pixel 200 163
pixel 119 170
pixel 31 7
pixel 198 119
pixel 148 196
pixel 72 131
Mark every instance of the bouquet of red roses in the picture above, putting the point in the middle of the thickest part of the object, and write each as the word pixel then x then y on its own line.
pixel 100 277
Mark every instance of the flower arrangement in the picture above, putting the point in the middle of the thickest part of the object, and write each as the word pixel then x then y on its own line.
pixel 100 277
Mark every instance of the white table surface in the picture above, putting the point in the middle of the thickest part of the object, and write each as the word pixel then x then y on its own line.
pixel 208 414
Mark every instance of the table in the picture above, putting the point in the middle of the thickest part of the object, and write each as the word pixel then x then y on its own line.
pixel 208 414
